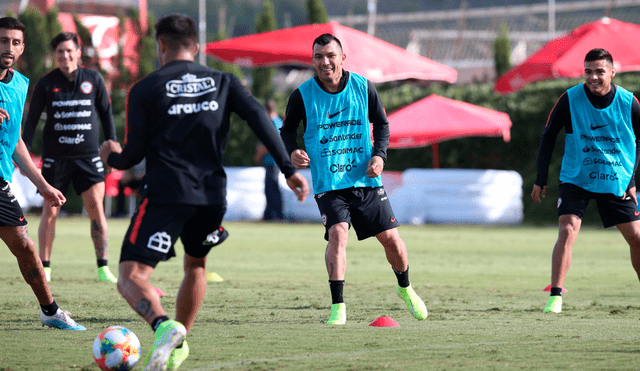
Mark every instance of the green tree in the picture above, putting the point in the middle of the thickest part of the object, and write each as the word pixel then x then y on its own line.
pixel 53 26
pixel 502 51
pixel 32 61
pixel 147 47
pixel 262 77
pixel 316 12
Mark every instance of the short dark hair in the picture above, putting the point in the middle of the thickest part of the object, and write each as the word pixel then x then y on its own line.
pixel 177 31
pixel 11 23
pixel 598 54
pixel 325 39
pixel 65 36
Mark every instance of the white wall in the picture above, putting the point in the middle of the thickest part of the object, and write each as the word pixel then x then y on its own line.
pixel 417 196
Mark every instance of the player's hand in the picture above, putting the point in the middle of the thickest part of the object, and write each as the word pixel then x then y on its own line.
pixel 300 159
pixel 631 192
pixel 4 115
pixel 54 197
pixel 108 147
pixel 299 186
pixel 538 191
pixel 375 166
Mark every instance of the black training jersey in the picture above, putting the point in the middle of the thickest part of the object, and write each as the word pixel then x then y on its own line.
pixel 72 109
pixel 560 117
pixel 296 113
pixel 178 118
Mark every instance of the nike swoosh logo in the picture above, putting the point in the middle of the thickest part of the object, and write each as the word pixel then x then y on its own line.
pixel 330 116
pixel 594 127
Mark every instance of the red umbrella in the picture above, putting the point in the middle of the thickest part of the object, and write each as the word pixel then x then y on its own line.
pixel 435 119
pixel 564 56
pixel 375 59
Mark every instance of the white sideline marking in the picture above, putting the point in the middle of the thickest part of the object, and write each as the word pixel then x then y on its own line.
pixel 365 352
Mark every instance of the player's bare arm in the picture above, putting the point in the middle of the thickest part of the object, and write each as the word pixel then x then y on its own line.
pixel 108 147
pixel 300 159
pixel 4 115
pixel 299 186
pixel 538 191
pixel 375 166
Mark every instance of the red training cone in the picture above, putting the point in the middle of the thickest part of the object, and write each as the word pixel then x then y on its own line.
pixel 160 292
pixel 548 288
pixel 384 322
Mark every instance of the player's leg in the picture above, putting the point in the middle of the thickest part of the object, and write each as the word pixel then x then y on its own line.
pixel 46 235
pixel 149 240
pixel 572 202
pixel 93 199
pixel 200 234
pixel 396 253
pixel 623 213
pixel 631 233
pixel 568 229
pixel 23 248
pixel 334 209
pixel 58 174
pixel 88 181
pixel 135 288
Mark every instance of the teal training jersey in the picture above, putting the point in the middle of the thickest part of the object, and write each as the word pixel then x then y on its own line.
pixel 12 99
pixel 337 137
pixel 600 154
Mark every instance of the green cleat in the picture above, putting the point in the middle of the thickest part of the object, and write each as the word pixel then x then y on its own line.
pixel 175 360
pixel 47 273
pixel 554 305
pixel 169 335
pixel 338 314
pixel 105 275
pixel 414 303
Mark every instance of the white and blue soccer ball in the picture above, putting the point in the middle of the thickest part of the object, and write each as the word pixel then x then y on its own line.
pixel 116 349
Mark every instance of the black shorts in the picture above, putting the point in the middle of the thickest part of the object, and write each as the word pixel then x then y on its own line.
pixel 10 211
pixel 367 208
pixel 84 172
pixel 613 209
pixel 155 228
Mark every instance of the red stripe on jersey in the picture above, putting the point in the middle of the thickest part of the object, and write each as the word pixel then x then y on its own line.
pixel 136 225
pixel 554 107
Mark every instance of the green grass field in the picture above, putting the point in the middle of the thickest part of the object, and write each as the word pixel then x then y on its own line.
pixel 482 285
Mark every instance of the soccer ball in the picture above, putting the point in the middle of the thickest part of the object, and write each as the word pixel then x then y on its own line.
pixel 116 349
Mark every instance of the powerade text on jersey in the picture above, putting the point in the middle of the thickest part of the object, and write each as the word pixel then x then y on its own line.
pixel 73 108
pixel 600 154
pixel 337 137
pixel 12 98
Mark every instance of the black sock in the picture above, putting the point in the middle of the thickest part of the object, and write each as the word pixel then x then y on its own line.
pixel 102 262
pixel 336 291
pixel 403 277
pixel 46 263
pixel 556 291
pixel 51 309
pixel 157 321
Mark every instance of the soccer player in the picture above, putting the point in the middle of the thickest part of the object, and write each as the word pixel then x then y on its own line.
pixel 273 210
pixel 74 98
pixel 602 126
pixel 178 120
pixel 13 226
pixel 336 108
